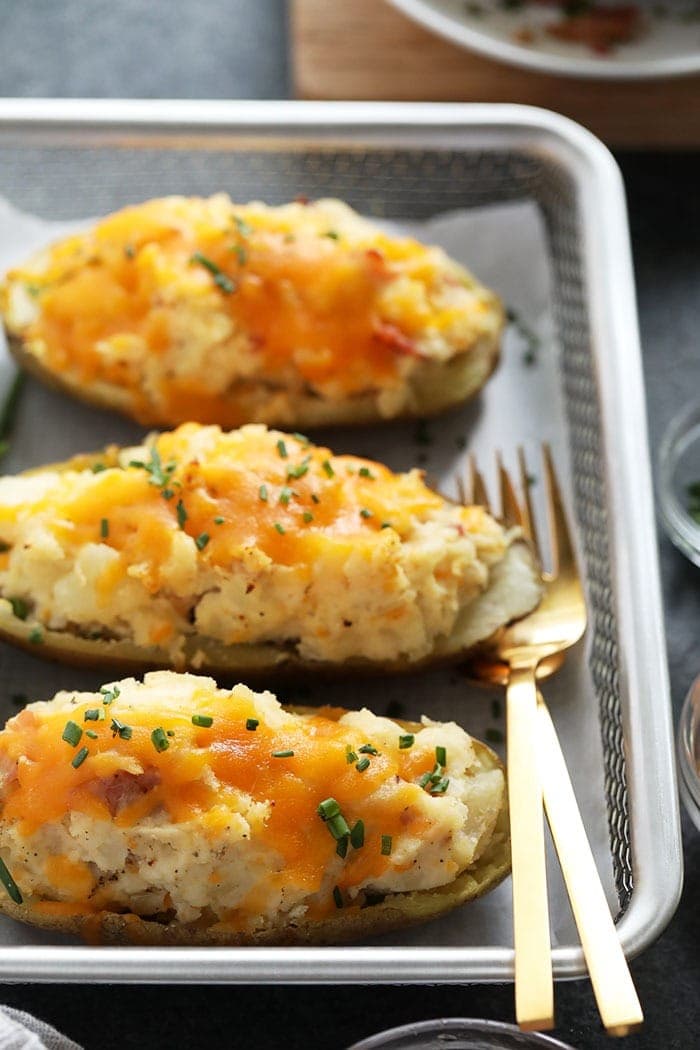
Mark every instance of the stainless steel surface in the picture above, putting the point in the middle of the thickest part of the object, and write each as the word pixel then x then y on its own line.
pixel 66 160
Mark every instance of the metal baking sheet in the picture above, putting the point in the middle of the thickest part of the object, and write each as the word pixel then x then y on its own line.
pixel 419 163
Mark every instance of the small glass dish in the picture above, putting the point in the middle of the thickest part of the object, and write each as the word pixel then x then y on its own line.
pixel 458 1033
pixel 689 753
pixel 679 480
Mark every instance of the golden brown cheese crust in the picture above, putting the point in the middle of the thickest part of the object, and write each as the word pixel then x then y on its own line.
pixel 297 316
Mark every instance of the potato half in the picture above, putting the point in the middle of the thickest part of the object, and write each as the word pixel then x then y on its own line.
pixel 249 552
pixel 194 815
pixel 297 316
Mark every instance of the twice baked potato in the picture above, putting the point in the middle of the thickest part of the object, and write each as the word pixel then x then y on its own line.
pixel 186 309
pixel 170 811
pixel 249 551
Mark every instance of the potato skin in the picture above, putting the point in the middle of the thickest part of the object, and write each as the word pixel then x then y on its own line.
pixel 358 922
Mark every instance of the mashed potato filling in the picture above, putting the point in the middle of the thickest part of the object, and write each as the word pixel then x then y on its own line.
pixel 248 537
pixel 172 798
pixel 209 310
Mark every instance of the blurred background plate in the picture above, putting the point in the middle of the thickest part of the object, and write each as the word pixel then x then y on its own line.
pixel 515 32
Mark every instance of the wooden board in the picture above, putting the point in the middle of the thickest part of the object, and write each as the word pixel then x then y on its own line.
pixel 366 49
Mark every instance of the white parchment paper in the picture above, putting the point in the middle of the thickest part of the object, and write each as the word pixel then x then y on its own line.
pixel 522 405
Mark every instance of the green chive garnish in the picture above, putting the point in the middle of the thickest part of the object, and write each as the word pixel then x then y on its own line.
pixel 181 513
pixel 362 765
pixel 307 517
pixel 368 749
pixel 252 724
pixel 221 279
pixel 104 528
pixel 36 636
pixel 72 734
pixel 282 448
pixel 167 493
pixel 338 826
pixel 122 730
pixel 328 468
pixel 301 437
pixel 129 251
pixel 365 513
pixel 94 714
pixel 218 520
pixel 242 226
pixel 91 733
pixel 201 541
pixel 241 253
pixel 332 234
pixel 80 757
pixel 441 756
pixel 262 493
pixel 441 787
pixel 350 756
pixel 285 495
pixel 171 732
pixel 341 847
pixel 385 525
pixel 337 897
pixel 357 835
pixel 9 883
pixel 328 808
pixel 280 528
pixel 315 499
pixel 97 468
pixel 108 695
pixel 406 741
pixel 20 608
pixel 386 845
pixel 205 721
pixel 365 472
pixel 300 470
pixel 159 739
pixel 282 754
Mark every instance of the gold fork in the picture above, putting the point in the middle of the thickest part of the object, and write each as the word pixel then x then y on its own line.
pixel 534 647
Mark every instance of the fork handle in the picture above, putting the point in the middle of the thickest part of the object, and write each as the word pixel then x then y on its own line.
pixel 534 993
pixel 614 990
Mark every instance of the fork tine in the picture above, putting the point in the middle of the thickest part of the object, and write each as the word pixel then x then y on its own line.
pixel 528 518
pixel 563 557
pixel 511 513
pixel 478 493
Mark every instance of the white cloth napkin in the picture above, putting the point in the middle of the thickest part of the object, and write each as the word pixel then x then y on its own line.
pixel 22 1031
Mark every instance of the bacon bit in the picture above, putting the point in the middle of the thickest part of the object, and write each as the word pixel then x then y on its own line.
pixel 601 29
pixel 301 198
pixel 122 788
pixel 460 528
pixel 392 336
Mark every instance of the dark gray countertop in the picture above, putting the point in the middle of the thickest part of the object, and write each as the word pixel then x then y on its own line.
pixel 208 50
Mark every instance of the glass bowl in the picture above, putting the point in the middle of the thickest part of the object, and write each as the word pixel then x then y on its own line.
pixel 689 753
pixel 458 1033
pixel 679 480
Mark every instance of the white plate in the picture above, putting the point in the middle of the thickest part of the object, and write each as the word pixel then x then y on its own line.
pixel 670 45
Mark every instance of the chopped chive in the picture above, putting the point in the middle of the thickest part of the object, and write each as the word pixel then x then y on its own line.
pixel 362 765
pixel 262 493
pixel 350 756
pixel 441 787
pixel 97 468
pixel 205 721
pixel 494 736
pixel 307 517
pixel 285 495
pixel 91 733
pixel 222 280
pixel 122 730
pixel 424 780
pixel 108 695
pixel 357 835
pixel 242 226
pixel 365 513
pixel 368 749
pixel 20 608
pixel 201 541
pixel 94 714
pixel 36 636
pixel 282 449
pixel 406 741
pixel 337 897
pixel 181 513
pixel 72 734
pixel 9 883
pixel 104 528
pixel 252 724
pixel 385 525
pixel 301 468
pixel 167 493
pixel 301 437
pixel 316 499
pixel 241 253
pixel 282 754
pixel 129 251
pixel 328 808
pixel 338 826
pixel 441 756
pixel 386 845
pixel 170 732
pixel 159 739
pixel 280 528
pixel 333 234
pixel 328 468
pixel 341 846
pixel 365 472
pixel 218 520
pixel 80 757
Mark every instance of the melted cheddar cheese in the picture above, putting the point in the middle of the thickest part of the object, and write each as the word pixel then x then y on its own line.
pixel 222 823
pixel 218 312
pixel 247 537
